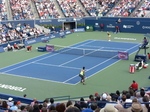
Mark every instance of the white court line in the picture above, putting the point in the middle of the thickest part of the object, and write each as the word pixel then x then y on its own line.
pixel 36 78
pixel 99 64
pixel 64 63
pixel 24 65
pixel 55 65
pixel 114 56
pixel 38 56
pixel 61 65
pixel 117 42
pixel 79 57
pixel 105 47
pixel 105 67
pixel 72 60
pixel 56 54
pixel 88 69
pixel 91 68
pixel 35 61
pixel 16 68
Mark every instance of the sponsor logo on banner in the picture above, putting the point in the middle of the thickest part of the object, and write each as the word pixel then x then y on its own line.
pixel 77 19
pixel 48 20
pixel 31 41
pixel 123 55
pixel 145 27
pixel 50 48
pixel 62 20
pixel 68 32
pixel 79 30
pixel 87 27
pixel 62 33
pixel 121 38
pixel 97 25
pixel 110 26
pixel 45 38
pixel 138 58
pixel 52 36
pixel 11 87
pixel 138 22
pixel 128 26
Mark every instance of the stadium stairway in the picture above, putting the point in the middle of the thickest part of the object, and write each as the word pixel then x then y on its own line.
pixel 34 10
pixel 59 9
pixel 9 11
pixel 82 7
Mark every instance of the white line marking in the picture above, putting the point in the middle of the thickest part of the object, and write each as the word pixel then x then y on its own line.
pixel 105 47
pixel 39 56
pixel 55 65
pixel 63 64
pixel 36 60
pixel 105 67
pixel 36 78
pixel 100 64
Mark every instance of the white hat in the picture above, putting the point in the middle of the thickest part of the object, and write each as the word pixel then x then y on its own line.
pixel 104 96
pixel 10 99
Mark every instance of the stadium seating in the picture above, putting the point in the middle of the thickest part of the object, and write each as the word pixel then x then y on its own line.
pixel 21 10
pixel 46 9
pixel 3 10
pixel 71 8
pixel 124 8
pixel 99 8
pixel 144 10
pixel 64 99
pixel 10 32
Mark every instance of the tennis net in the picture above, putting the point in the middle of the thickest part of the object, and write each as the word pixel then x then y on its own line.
pixel 86 52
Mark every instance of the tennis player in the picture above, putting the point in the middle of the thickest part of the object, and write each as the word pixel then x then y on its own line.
pixel 108 36
pixel 82 75
pixel 144 43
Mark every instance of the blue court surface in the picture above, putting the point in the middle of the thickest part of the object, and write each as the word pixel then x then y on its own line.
pixel 64 68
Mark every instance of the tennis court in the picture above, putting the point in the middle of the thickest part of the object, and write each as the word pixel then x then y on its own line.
pixel 64 67
pixel 43 74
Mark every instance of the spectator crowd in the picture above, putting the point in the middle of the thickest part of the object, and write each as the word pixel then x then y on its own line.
pixel 144 10
pixel 10 32
pixel 98 7
pixel 21 10
pixel 3 10
pixel 138 100
pixel 70 8
pixel 124 8
pixel 48 9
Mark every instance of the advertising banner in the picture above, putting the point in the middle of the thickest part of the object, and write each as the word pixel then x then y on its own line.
pixel 50 48
pixel 42 38
pixel 78 30
pixel 123 55
pixel 89 28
